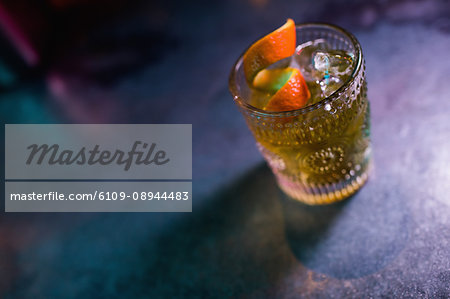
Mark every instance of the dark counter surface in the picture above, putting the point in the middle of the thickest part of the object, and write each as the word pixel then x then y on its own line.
pixel 244 237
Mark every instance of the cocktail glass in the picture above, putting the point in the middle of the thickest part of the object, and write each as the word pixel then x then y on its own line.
pixel 320 153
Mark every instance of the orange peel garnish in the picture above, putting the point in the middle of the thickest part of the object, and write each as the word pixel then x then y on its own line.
pixel 273 47
pixel 288 86
pixel 293 95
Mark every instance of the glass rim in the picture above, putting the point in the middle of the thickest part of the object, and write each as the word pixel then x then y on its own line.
pixel 232 85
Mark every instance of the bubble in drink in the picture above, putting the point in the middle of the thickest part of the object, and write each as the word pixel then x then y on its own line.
pixel 329 84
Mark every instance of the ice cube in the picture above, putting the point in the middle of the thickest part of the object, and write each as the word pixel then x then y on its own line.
pixel 331 69
pixel 304 55
pixel 333 62
pixel 321 61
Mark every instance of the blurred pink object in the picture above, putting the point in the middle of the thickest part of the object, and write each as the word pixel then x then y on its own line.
pixel 18 38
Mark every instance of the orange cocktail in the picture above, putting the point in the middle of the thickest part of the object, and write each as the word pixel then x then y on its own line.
pixel 303 93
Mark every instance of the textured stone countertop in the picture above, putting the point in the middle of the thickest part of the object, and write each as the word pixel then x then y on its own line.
pixel 244 238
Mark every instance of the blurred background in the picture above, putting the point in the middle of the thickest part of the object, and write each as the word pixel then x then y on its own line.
pixel 68 61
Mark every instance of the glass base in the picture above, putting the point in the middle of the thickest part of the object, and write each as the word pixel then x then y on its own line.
pixel 323 194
